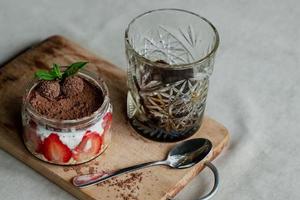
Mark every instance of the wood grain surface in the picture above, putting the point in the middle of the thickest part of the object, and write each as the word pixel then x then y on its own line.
pixel 127 148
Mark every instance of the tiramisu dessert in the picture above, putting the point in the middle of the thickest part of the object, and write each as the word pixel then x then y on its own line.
pixel 66 115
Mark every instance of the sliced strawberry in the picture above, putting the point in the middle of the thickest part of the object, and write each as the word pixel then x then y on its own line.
pixel 107 119
pixel 89 146
pixel 32 138
pixel 54 150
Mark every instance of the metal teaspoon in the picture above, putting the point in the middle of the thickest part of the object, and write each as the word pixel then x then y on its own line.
pixel 184 155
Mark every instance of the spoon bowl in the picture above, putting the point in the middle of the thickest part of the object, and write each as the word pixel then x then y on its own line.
pixel 188 153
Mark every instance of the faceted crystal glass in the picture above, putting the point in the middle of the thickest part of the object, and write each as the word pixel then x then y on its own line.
pixel 170 56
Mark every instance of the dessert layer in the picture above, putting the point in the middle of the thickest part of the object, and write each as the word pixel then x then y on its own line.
pixel 67 104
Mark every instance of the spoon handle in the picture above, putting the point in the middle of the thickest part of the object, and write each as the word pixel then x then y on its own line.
pixel 92 179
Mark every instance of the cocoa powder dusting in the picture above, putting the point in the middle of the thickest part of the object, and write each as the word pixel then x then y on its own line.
pixel 66 107
pixel 78 169
pixel 66 169
pixel 91 170
pixel 49 89
pixel 72 85
pixel 127 187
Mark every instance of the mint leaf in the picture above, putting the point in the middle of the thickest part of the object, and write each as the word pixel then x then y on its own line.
pixel 73 69
pixel 56 71
pixel 44 75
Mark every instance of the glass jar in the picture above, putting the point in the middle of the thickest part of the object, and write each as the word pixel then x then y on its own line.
pixel 171 55
pixel 68 142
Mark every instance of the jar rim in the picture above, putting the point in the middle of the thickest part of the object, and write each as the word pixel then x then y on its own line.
pixel 51 121
pixel 173 66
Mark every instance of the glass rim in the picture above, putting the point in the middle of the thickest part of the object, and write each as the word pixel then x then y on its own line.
pixel 51 121
pixel 174 66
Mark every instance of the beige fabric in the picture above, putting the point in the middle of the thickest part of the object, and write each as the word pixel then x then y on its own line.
pixel 254 90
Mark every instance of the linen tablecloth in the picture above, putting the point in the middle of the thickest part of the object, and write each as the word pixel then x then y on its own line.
pixel 254 90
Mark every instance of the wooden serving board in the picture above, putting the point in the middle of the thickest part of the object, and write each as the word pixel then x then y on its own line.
pixel 127 148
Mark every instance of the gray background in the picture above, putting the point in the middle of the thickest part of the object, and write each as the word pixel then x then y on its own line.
pixel 254 90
